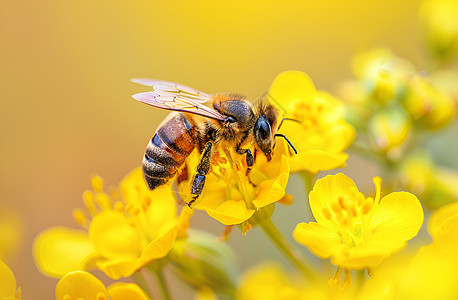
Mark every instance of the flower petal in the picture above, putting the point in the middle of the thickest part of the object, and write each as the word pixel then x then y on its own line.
pixel 11 232
pixel 325 191
pixel 80 285
pixel 397 218
pixel 160 246
pixel 123 291
pixel 59 250
pixel 161 210
pixel 273 190
pixel 439 216
pixel 291 85
pixel 320 239
pixel 7 282
pixel 231 212
pixel 125 266
pixel 317 160
pixel 368 255
pixel 113 237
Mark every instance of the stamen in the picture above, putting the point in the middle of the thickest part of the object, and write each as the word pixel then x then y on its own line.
pixel 360 199
pixel 118 206
pixel 378 186
pixel 335 206
pixel 97 183
pixel 146 204
pixel 88 199
pixel 351 208
pixel 226 232
pixel 103 201
pixel 336 280
pixel 367 205
pixel 341 202
pixel 132 210
pixel 346 284
pixel 79 217
pixel 326 213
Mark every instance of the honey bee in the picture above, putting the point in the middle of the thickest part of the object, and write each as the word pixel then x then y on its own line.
pixel 229 122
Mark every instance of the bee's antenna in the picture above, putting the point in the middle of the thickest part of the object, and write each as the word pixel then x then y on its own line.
pixel 291 145
pixel 286 119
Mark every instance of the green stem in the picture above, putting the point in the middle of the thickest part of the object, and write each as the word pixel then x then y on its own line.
pixel 162 284
pixel 140 279
pixel 308 178
pixel 280 242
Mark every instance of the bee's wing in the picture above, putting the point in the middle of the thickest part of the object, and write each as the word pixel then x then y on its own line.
pixel 167 88
pixel 172 101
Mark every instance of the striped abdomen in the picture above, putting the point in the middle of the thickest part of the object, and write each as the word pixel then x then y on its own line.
pixel 167 150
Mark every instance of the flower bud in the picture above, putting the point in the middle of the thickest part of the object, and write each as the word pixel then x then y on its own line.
pixel 389 128
pixel 205 262
pixel 429 107
pixel 439 20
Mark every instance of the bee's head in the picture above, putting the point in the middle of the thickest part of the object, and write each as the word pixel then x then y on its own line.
pixel 265 129
pixel 264 135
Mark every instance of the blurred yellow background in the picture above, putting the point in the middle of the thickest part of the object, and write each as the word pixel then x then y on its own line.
pixel 66 110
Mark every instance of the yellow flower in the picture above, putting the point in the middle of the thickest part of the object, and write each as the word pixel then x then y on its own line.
pixel 357 232
pixel 321 135
pixel 59 250
pixel 11 231
pixel 126 241
pixel 430 274
pixel 81 285
pixel 434 185
pixel 382 64
pixel 445 80
pixel 272 282
pixel 230 196
pixel 8 288
pixel 437 220
pixel 121 237
pixel 389 129
pixel 440 25
pixel 429 107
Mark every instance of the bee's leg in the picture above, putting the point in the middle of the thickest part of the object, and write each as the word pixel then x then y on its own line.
pixel 202 169
pixel 248 156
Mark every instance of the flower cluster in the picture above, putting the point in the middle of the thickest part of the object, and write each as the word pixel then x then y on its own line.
pixel 132 231
pixel 386 114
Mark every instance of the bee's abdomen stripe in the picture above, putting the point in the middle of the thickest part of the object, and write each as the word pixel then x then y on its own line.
pixel 175 134
pixel 155 182
pixel 152 169
pixel 162 154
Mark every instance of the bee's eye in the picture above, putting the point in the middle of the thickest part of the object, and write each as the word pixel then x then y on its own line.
pixel 263 130
pixel 230 119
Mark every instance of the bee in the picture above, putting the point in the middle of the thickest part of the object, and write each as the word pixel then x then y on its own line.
pixel 229 122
